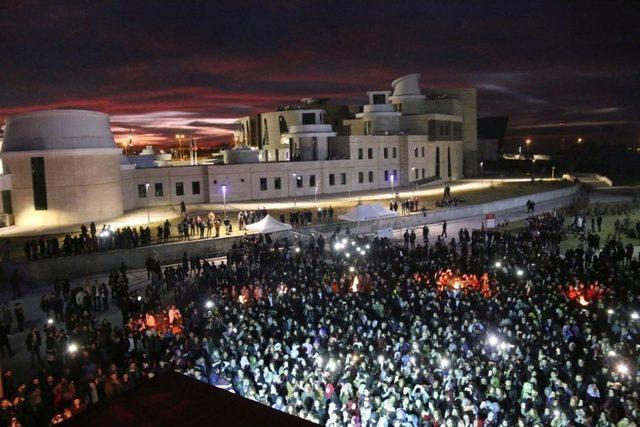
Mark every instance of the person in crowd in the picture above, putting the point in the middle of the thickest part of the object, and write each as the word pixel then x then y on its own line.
pixel 490 328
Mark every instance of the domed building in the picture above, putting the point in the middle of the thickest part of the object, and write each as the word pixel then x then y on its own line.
pixel 64 166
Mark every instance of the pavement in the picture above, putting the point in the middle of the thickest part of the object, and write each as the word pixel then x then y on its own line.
pixel 33 292
pixel 157 214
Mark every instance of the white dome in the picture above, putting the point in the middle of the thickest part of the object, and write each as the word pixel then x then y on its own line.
pixel 57 130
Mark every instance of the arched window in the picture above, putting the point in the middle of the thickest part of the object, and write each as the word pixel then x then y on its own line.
pixel 438 161
pixel 283 125
pixel 449 162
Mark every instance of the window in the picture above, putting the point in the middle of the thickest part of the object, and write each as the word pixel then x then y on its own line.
pixel 277 183
pixel 395 174
pixel 298 181
pixel 422 151
pixel 195 187
pixel 360 177
pixel 449 162
pixel 395 151
pixel 370 176
pixel 312 180
pixel 283 125
pixel 332 179
pixel 142 191
pixel 308 118
pixel 158 188
pixel 370 153
pixel 343 179
pixel 379 98
pixel 360 154
pixel 385 152
pixel 263 184
pixel 39 182
pixel 180 188
pixel 265 134
pixel 415 152
pixel 386 175
pixel 437 162
pixel 423 173
pixel 6 201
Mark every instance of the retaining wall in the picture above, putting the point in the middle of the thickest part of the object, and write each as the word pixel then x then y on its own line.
pixel 104 262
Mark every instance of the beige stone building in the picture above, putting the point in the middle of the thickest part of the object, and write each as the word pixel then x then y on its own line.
pixel 63 167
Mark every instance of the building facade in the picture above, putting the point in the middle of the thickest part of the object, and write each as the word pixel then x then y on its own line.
pixel 63 167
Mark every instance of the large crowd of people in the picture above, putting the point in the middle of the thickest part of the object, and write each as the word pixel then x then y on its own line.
pixel 491 328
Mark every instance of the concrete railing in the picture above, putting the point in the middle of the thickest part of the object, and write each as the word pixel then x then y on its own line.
pixel 106 262
pixel 564 197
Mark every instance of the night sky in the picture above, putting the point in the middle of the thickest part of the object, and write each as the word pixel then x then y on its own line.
pixel 558 69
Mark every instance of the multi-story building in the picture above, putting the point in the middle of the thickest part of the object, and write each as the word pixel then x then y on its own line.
pixel 65 168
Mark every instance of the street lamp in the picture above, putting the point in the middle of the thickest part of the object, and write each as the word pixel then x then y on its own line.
pixel 579 140
pixel 553 172
pixel 392 179
pixel 146 187
pixel 533 169
pixel 415 181
pixel 179 137
pixel 481 172
pixel 224 198
pixel 295 184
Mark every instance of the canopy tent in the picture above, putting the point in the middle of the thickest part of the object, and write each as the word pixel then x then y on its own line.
pixel 368 212
pixel 268 224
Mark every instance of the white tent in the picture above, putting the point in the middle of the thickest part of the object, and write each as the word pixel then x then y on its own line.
pixel 368 212
pixel 268 224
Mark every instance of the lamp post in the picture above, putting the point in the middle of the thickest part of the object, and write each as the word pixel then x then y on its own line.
pixel 179 137
pixel 392 179
pixel 415 180
pixel 481 172
pixel 533 169
pixel 315 194
pixel 146 187
pixel 224 199
pixel 295 184
pixel 553 172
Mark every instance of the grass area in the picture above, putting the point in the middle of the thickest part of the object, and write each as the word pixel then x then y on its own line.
pixel 608 228
pixel 611 213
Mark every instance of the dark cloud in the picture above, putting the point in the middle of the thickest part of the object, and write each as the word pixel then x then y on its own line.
pixel 542 63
